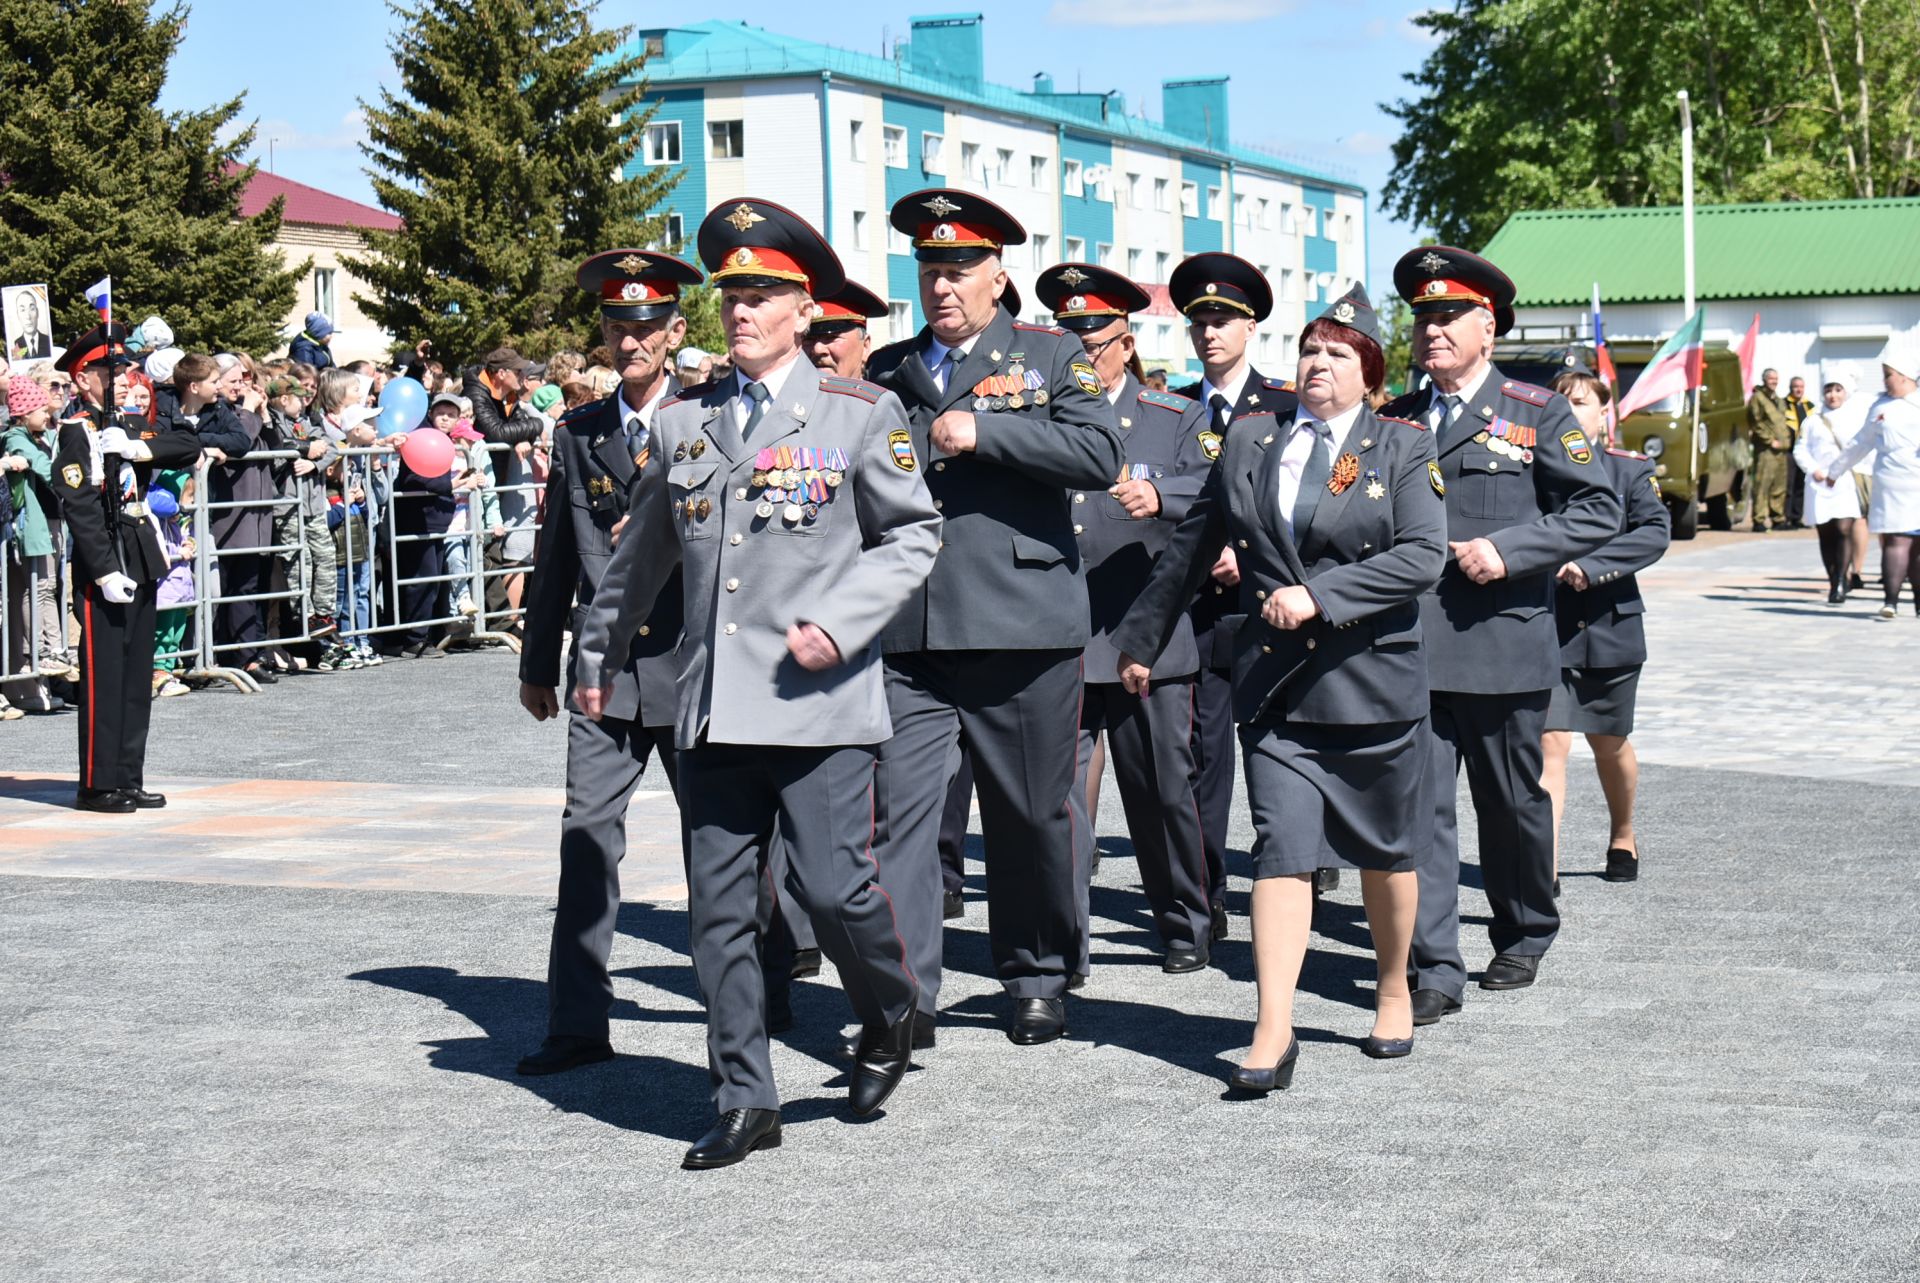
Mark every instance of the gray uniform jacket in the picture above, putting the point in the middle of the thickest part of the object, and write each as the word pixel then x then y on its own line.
pixel 1367 555
pixel 1160 434
pixel 587 485
pixel 1602 627
pixel 750 574
pixel 1008 577
pixel 1550 505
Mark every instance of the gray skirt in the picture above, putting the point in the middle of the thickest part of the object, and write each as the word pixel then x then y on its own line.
pixel 1333 796
pixel 1594 701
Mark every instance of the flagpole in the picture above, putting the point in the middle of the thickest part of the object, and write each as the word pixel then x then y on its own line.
pixel 1686 257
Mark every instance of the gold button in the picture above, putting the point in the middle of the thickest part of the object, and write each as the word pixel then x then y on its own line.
pixel 1312 642
pixel 941 466
pixel 730 629
pixel 733 585
pixel 741 493
pixel 1079 530
pixel 645 629
pixel 737 537
pixel 1079 498
pixel 1259 594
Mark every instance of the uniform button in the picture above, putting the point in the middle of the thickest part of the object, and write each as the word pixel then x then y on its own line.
pixel 938 505
pixel 737 537
pixel 645 629
pixel 741 493
pixel 1079 498
pixel 941 466
pixel 733 585
pixel 943 543
pixel 1079 530
pixel 730 629
pixel 1259 594
pixel 1243 543
pixel 1266 650
pixel 1312 642
pixel 1581 624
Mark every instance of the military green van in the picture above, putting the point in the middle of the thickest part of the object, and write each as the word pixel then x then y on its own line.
pixel 1693 470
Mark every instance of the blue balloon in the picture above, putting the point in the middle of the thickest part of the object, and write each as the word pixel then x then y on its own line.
pixel 393 421
pixel 407 395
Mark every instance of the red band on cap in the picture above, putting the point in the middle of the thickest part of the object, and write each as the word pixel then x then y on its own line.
pixel 753 260
pixel 838 312
pixel 1441 290
pixel 629 291
pixel 1091 304
pixel 90 356
pixel 948 234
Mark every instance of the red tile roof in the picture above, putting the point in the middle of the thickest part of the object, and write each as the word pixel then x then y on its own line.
pixel 312 206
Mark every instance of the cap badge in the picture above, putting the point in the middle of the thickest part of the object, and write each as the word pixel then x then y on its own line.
pixel 1435 287
pixel 1073 276
pixel 944 232
pixel 744 257
pixel 633 290
pixel 1432 262
pixel 1212 288
pixel 632 264
pixel 941 207
pixel 743 217
pixel 1343 312
pixel 1078 303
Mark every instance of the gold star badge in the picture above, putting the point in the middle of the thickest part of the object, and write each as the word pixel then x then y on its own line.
pixel 940 206
pixel 743 217
pixel 632 264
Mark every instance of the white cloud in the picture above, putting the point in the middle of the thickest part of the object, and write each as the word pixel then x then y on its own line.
pixel 1162 13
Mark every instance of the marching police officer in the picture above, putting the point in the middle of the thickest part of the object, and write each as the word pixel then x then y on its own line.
pixel 595 449
pixel 103 464
pixel 838 341
pixel 1009 419
pixel 1524 496
pixel 1122 530
pixel 797 506
pixel 1224 299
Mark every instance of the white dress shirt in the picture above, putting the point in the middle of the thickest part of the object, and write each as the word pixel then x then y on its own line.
pixel 937 358
pixel 773 380
pixel 1231 392
pixel 1468 396
pixel 1300 447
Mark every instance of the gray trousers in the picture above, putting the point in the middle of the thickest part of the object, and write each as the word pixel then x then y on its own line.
pixel 1213 755
pixel 820 801
pixel 1017 714
pixel 1497 738
pixel 605 760
pixel 1149 750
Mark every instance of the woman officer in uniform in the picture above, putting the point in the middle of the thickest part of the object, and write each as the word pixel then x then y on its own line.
pixel 1337 521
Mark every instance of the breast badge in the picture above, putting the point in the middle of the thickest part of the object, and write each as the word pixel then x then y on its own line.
pixel 1346 470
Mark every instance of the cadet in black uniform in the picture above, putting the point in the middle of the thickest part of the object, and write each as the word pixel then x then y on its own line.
pixel 1006 419
pixel 104 462
pixel 1223 298
pixel 1121 532
pixel 1524 496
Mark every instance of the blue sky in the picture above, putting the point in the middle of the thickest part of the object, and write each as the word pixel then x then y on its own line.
pixel 1307 76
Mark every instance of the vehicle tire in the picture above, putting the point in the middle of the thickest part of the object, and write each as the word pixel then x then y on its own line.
pixel 1686 518
pixel 1719 512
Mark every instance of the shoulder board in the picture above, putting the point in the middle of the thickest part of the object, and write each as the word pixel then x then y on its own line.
pixel 868 392
pixel 1531 393
pixel 1405 423
pixel 694 393
pixel 1166 400
pixel 1279 385
pixel 579 414
pixel 1043 329
pixel 1253 414
pixel 1626 454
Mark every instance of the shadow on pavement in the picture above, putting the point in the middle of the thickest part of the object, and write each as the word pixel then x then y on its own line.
pixel 47 791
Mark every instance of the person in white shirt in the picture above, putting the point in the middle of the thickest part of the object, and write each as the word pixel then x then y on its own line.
pixel 1892 437
pixel 1835 510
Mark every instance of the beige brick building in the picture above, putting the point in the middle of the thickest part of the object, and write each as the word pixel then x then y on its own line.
pixel 326 228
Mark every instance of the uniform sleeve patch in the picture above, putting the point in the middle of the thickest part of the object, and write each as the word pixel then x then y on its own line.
pixel 868 392
pixel 1435 479
pixel 1577 446
pixel 1083 375
pixel 73 476
pixel 1209 445
pixel 900 442
pixel 1166 400
pixel 1531 393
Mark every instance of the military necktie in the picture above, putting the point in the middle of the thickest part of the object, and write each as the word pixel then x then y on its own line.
pixel 1313 479
pixel 1219 404
pixel 758 394
pixel 636 435
pixel 1449 412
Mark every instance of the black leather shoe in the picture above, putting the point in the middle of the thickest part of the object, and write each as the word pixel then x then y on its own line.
pixel 1622 865
pixel 1836 596
pixel 806 963
pixel 880 1065
pixel 952 906
pixel 1430 1004
pixel 738 1133
pixel 1037 1020
pixel 1179 962
pixel 1276 1077
pixel 923 1036
pixel 1855 583
pixel 146 801
pixel 1510 971
pixel 563 1052
pixel 1386 1048
pixel 1219 908
pixel 105 801
pixel 1325 880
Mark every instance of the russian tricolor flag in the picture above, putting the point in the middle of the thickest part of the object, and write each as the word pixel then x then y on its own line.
pixel 100 297
pixel 1603 360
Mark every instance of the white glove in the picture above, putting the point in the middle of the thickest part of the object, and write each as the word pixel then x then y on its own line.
pixel 116 587
pixel 116 441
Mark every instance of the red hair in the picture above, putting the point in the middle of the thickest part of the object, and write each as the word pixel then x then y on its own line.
pixel 137 377
pixel 1373 363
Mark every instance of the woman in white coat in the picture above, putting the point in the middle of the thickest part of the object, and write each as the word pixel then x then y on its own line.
pixel 1835 510
pixel 1892 437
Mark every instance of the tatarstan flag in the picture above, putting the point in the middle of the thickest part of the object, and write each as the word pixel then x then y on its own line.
pixel 1678 366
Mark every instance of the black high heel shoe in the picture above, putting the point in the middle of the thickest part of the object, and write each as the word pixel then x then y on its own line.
pixel 1386 1048
pixel 1277 1077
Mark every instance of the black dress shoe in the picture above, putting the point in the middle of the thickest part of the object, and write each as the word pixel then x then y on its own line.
pixel 1836 596
pixel 262 674
pixel 952 906
pixel 105 801
pixel 146 801
pixel 1037 1020
pixel 806 963
pixel 1179 962
pixel 1430 1004
pixel 1276 1077
pixel 923 1036
pixel 880 1065
pixel 1219 908
pixel 738 1133
pixel 1510 971
pixel 1855 583
pixel 1622 865
pixel 563 1052
pixel 1386 1048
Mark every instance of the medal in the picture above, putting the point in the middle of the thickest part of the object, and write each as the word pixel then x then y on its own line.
pixel 763 509
pixel 1040 397
pixel 791 514
pixel 1345 471
pixel 1015 401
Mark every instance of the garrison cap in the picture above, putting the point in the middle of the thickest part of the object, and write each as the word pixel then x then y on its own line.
pixel 749 241
pixel 636 284
pixel 948 225
pixel 1220 280
pixel 106 343
pixel 1085 297
pixel 1355 311
pixel 1440 278
pixel 849 307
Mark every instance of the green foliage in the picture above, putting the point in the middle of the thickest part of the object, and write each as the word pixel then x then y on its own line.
pixel 100 182
pixel 1396 342
pixel 700 304
pixel 502 151
pixel 1566 104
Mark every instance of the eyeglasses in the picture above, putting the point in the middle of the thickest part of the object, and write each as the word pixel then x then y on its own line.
pixel 1094 350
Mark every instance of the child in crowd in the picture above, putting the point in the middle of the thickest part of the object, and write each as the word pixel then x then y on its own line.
pixel 472 484
pixel 174 597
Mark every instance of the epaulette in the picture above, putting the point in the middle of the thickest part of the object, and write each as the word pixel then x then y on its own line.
pixel 1278 385
pixel 1044 329
pixel 581 411
pixel 1618 453
pixel 1253 414
pixel 1411 423
pixel 694 393
pixel 1531 393
pixel 868 392
pixel 1165 400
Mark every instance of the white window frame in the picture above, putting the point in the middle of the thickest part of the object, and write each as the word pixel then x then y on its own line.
pixel 1289 291
pixel 1216 208
pixel 898 241
pixel 658 132
pixel 899 320
pixel 856 140
pixel 1038 168
pixel 970 166
pixel 1004 172
pixel 1190 199
pixel 1103 186
pixel 859 236
pixel 933 153
pixel 1041 243
pixel 1070 184
pixel 1161 261
pixel 1076 249
pixel 1136 263
pixel 1289 219
pixel 1241 218
pixel 894 142
pixel 1136 191
pixel 1162 196
pixel 324 297
pixel 733 128
pixel 1103 254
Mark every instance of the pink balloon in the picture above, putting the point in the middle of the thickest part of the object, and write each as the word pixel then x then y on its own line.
pixel 428 451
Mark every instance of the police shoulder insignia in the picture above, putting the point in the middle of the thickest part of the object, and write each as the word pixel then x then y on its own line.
pixel 73 476
pixel 1618 453
pixel 1044 329
pixel 1083 375
pixel 900 441
pixel 1578 448
pixel 868 392
pixel 1531 393
pixel 1166 400
pixel 1415 424
pixel 1279 385
pixel 573 418
pixel 1434 477
pixel 1209 445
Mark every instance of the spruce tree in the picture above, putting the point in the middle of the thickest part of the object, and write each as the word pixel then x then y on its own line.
pixel 502 150
pixel 96 180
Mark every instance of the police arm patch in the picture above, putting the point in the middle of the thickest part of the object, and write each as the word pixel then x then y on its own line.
pixel 1435 479
pixel 1209 445
pixel 73 476
pixel 1578 448
pixel 1655 483
pixel 900 442
pixel 1083 375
